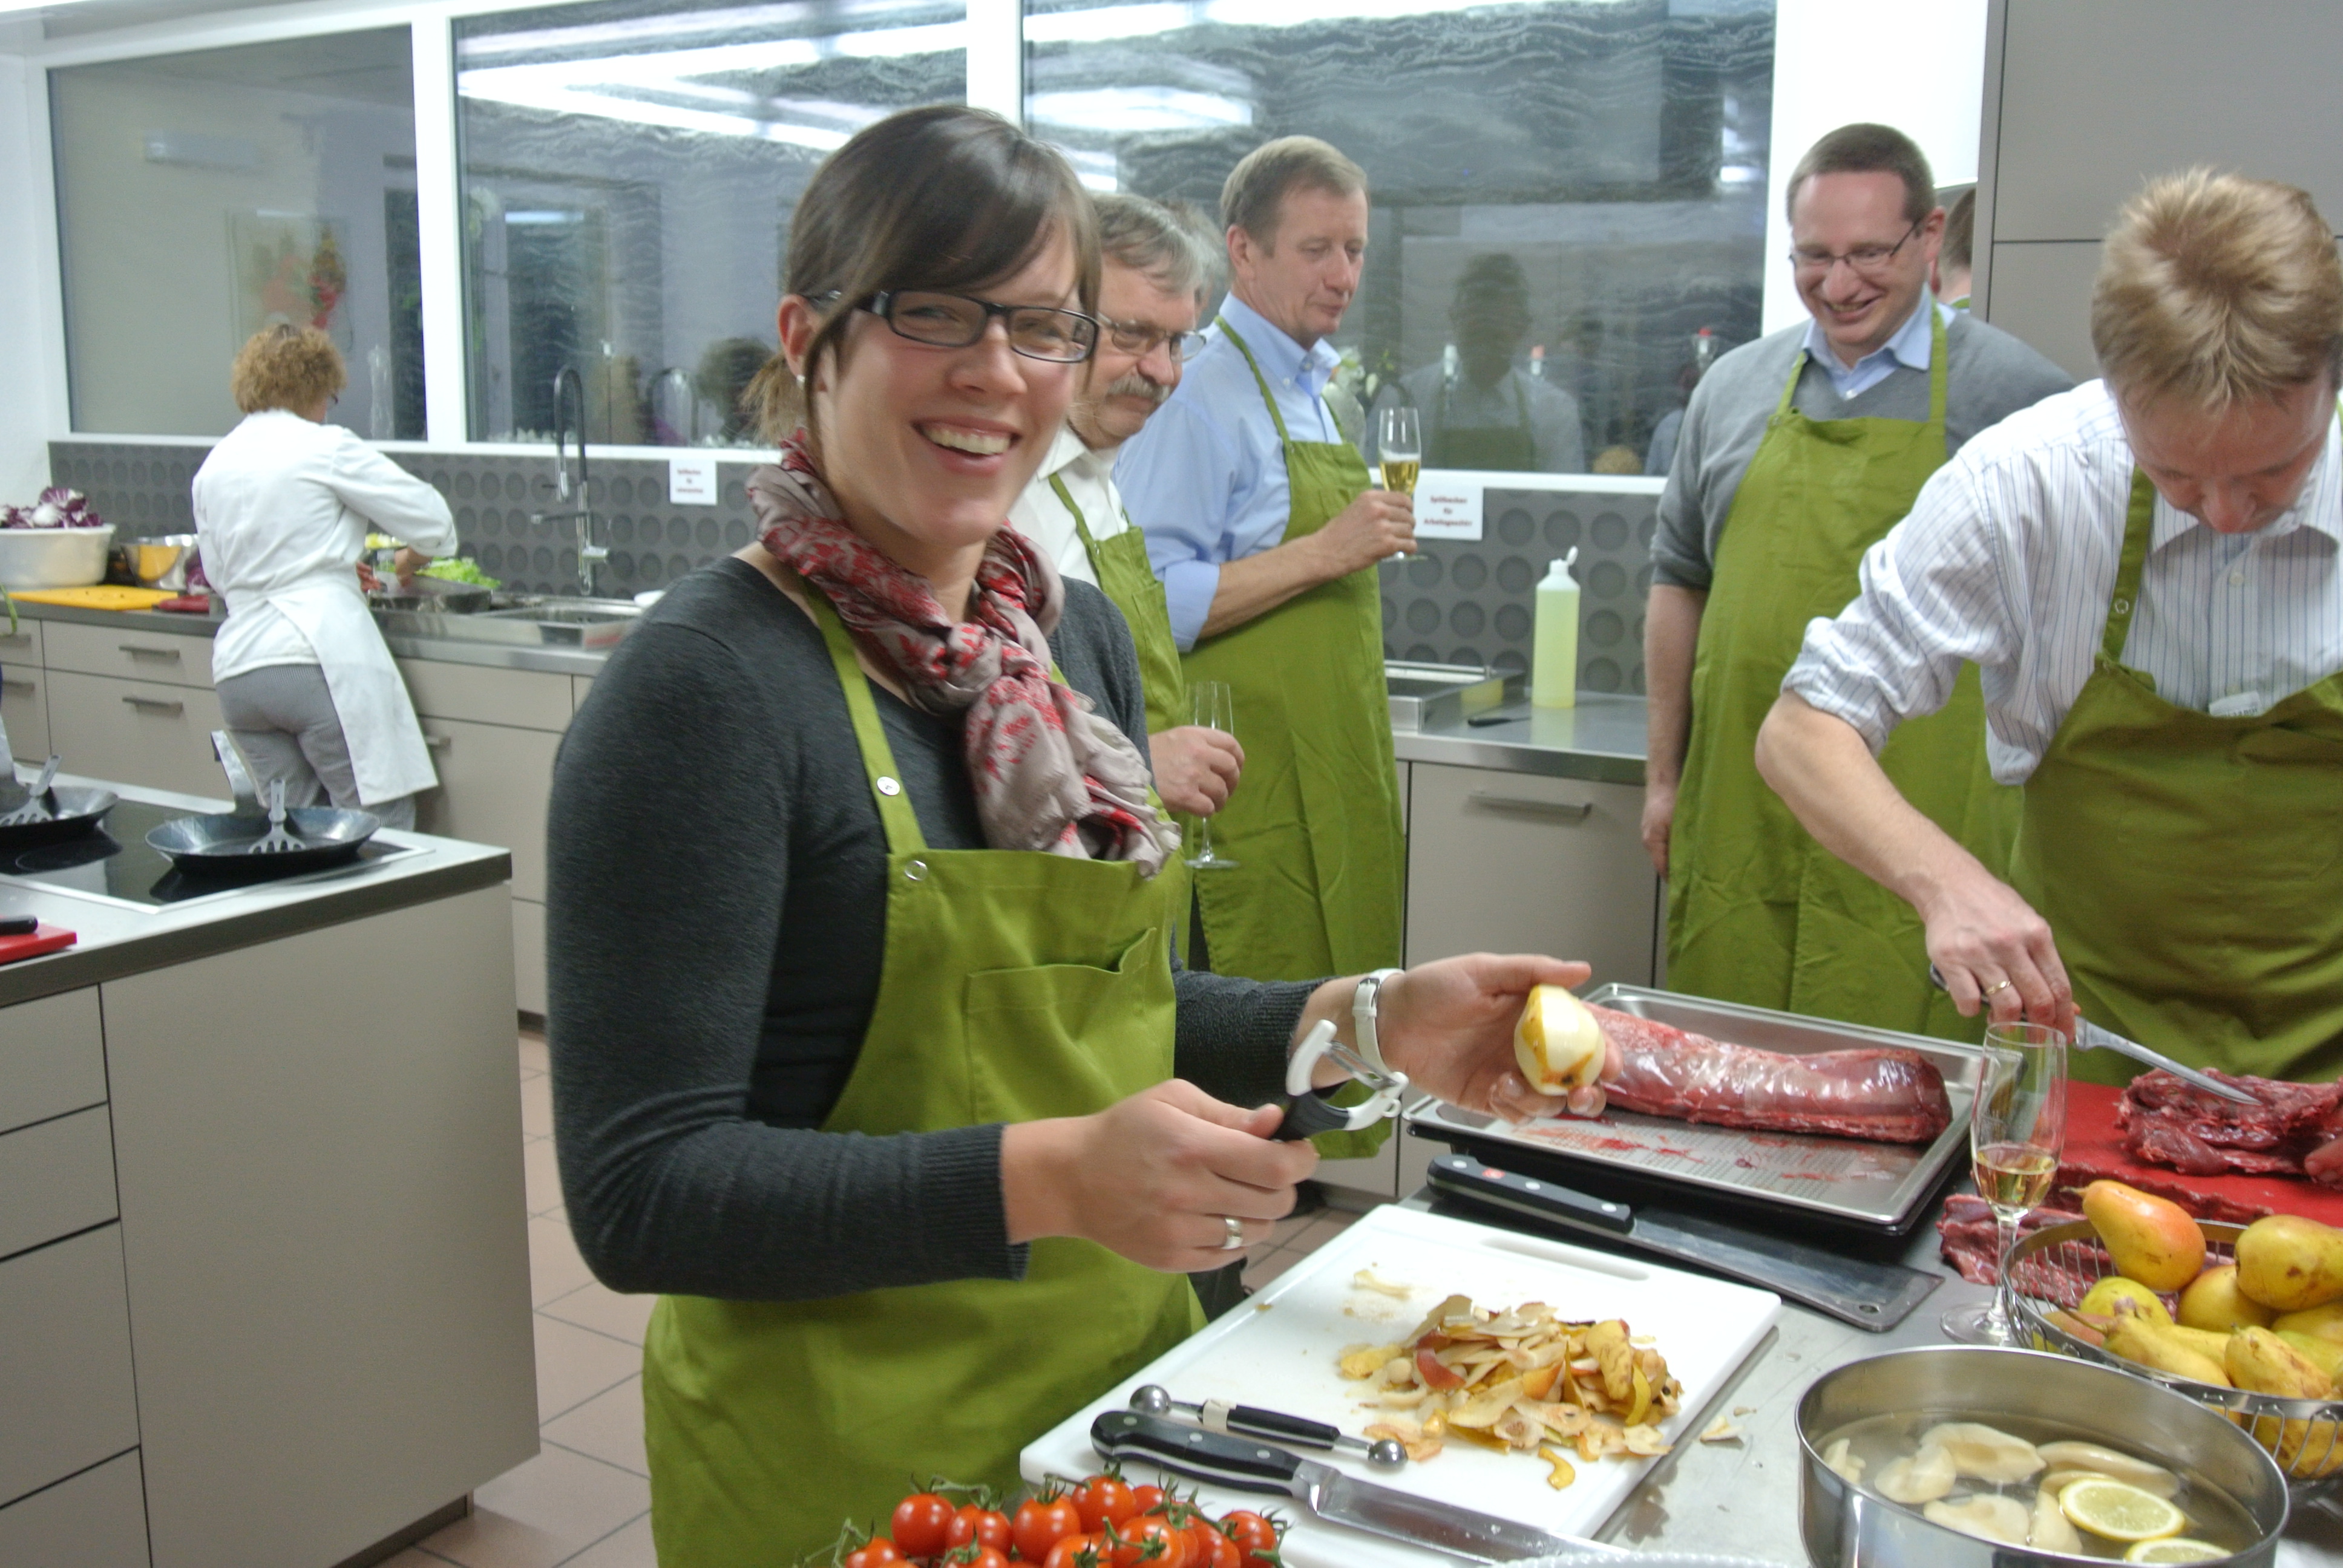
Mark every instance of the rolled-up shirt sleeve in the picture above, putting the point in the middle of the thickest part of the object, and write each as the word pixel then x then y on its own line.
pixel 1939 590
pixel 1180 483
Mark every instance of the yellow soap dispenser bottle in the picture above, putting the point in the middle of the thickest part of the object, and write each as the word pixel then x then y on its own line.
pixel 1553 660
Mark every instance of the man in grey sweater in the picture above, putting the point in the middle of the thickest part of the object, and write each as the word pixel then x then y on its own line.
pixel 1797 453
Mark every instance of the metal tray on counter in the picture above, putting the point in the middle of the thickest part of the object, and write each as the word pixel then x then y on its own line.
pixel 1871 1187
pixel 1427 694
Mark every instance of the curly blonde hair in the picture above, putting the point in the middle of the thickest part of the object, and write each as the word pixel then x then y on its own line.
pixel 286 366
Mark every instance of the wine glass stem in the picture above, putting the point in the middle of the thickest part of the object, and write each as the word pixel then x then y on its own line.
pixel 2004 1222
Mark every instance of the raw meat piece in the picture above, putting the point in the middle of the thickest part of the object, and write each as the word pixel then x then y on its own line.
pixel 2296 1130
pixel 1971 1242
pixel 2078 1170
pixel 1884 1094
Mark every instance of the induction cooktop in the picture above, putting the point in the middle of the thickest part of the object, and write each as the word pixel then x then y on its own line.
pixel 113 862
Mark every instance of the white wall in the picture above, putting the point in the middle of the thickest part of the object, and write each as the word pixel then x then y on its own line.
pixel 25 416
pixel 1918 67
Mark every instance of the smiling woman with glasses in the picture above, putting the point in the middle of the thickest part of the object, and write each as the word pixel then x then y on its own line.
pixel 863 1014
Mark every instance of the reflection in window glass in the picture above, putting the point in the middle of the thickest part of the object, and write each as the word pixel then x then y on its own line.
pixel 1565 192
pixel 628 174
pixel 203 196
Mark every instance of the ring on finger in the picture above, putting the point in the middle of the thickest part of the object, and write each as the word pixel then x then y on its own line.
pixel 1236 1236
pixel 2002 984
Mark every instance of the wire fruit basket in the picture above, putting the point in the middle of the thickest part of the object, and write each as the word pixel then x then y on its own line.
pixel 2053 1266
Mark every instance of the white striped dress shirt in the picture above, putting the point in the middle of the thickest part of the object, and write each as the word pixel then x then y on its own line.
pixel 2008 558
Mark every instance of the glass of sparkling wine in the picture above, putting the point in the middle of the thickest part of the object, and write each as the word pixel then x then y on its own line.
pixel 2017 1129
pixel 1399 449
pixel 1210 707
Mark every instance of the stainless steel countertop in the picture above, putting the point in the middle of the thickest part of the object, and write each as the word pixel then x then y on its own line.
pixel 1740 1498
pixel 1601 738
pixel 118 940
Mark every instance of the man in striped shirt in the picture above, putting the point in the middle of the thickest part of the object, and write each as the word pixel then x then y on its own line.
pixel 2147 571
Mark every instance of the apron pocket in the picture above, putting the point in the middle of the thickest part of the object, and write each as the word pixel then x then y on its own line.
pixel 1090 1037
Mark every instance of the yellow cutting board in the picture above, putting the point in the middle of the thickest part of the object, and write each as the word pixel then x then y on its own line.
pixel 106 595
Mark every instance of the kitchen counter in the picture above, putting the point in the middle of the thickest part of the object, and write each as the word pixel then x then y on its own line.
pixel 118 939
pixel 1740 1498
pixel 1601 739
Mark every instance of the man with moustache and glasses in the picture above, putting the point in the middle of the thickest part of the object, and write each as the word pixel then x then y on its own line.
pixel 1156 277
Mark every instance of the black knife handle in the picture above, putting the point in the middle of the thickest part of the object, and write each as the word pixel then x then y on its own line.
pixel 1470 1177
pixel 1192 1452
pixel 1254 1422
pixel 1307 1115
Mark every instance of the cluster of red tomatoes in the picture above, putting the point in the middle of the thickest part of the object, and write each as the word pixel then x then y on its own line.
pixel 1099 1523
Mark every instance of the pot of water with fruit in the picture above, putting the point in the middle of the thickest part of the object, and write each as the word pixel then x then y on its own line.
pixel 1972 1456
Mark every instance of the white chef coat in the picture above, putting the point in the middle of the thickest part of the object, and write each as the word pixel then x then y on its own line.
pixel 2008 558
pixel 283 507
pixel 1041 517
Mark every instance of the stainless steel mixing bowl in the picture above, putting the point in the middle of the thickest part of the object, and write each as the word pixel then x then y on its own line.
pixel 163 563
pixel 1845 1527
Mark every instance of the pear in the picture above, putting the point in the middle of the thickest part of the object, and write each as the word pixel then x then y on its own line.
pixel 2290 1264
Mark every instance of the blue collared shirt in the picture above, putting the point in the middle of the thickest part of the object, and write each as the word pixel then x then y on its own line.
pixel 1908 347
pixel 1205 476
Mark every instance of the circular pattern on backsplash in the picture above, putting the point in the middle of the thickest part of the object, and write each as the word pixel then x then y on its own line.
pixel 1469 573
pixel 1467 618
pixel 1610 531
pixel 1515 575
pixel 1421 571
pixel 1514 525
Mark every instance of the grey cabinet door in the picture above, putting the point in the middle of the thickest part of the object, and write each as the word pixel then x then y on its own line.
pixel 1522 863
pixel 96 1520
pixel 65 1364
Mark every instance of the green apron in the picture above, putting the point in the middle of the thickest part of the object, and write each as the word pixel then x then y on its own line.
pixel 1315 829
pixel 2190 866
pixel 1505 451
pixel 1126 576
pixel 1758 912
pixel 1015 986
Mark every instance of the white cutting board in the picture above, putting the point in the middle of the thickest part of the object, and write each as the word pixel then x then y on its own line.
pixel 1278 1351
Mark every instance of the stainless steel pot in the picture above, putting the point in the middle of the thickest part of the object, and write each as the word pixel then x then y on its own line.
pixel 53 557
pixel 1845 1527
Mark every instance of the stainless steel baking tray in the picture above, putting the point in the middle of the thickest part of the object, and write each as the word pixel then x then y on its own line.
pixel 1870 1184
pixel 1428 694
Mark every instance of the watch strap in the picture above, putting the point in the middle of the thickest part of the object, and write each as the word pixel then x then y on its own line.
pixel 1365 1002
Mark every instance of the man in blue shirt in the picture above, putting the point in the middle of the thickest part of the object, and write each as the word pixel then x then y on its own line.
pixel 1260 521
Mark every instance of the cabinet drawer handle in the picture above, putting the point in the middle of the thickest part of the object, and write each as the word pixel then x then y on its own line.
pixel 140 650
pixel 1568 811
pixel 439 742
pixel 158 704
pixel 18 684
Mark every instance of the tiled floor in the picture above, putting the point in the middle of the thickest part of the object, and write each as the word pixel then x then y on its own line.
pixel 585 1500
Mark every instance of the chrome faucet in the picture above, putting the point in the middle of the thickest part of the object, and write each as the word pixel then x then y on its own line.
pixel 569 388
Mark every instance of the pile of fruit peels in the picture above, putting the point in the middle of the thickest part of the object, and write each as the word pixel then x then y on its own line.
pixel 1523 1380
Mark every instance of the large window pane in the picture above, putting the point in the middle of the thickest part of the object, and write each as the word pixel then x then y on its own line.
pixel 629 174
pixel 202 197
pixel 1565 192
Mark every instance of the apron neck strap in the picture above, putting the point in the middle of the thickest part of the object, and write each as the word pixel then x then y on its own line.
pixel 1937 372
pixel 1262 381
pixel 895 813
pixel 2139 523
pixel 1082 524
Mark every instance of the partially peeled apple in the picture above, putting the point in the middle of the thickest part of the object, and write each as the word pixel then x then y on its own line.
pixel 1560 1048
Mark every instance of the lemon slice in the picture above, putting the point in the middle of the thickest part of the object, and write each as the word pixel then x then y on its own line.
pixel 2174 1549
pixel 2119 1511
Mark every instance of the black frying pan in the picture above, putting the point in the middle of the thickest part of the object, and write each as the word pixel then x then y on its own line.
pixel 220 845
pixel 74 810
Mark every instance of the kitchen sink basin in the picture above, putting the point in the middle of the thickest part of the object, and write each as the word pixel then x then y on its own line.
pixel 523 620
pixel 1427 694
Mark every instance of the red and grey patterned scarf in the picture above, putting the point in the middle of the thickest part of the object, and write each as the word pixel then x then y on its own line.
pixel 1048 773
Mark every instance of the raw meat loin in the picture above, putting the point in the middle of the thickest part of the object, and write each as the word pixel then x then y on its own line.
pixel 2296 1130
pixel 1970 1241
pixel 1880 1093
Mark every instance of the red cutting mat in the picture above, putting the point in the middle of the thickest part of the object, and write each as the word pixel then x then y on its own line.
pixel 2095 1150
pixel 48 939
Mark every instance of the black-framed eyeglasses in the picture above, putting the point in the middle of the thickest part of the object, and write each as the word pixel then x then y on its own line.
pixel 1141 337
pixel 957 321
pixel 1869 260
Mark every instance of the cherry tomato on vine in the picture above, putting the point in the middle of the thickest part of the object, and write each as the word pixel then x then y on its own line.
pixel 1149 1498
pixel 1255 1537
pixel 879 1552
pixel 1040 1525
pixel 1137 1545
pixel 1104 1500
pixel 921 1521
pixel 1209 1547
pixel 984 1526
pixel 977 1556
pixel 1068 1549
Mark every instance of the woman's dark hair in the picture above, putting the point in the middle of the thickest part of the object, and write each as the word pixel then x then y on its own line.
pixel 942 197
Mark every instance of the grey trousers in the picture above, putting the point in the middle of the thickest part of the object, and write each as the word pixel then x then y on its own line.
pixel 283 715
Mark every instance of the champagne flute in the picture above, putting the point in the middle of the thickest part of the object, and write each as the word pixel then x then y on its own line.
pixel 1210 707
pixel 1399 448
pixel 2017 1129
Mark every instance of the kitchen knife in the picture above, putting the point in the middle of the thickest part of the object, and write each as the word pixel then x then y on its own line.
pixel 1870 1295
pixel 1247 1465
pixel 2089 1036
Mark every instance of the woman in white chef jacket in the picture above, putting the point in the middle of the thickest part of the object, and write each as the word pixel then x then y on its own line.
pixel 283 507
